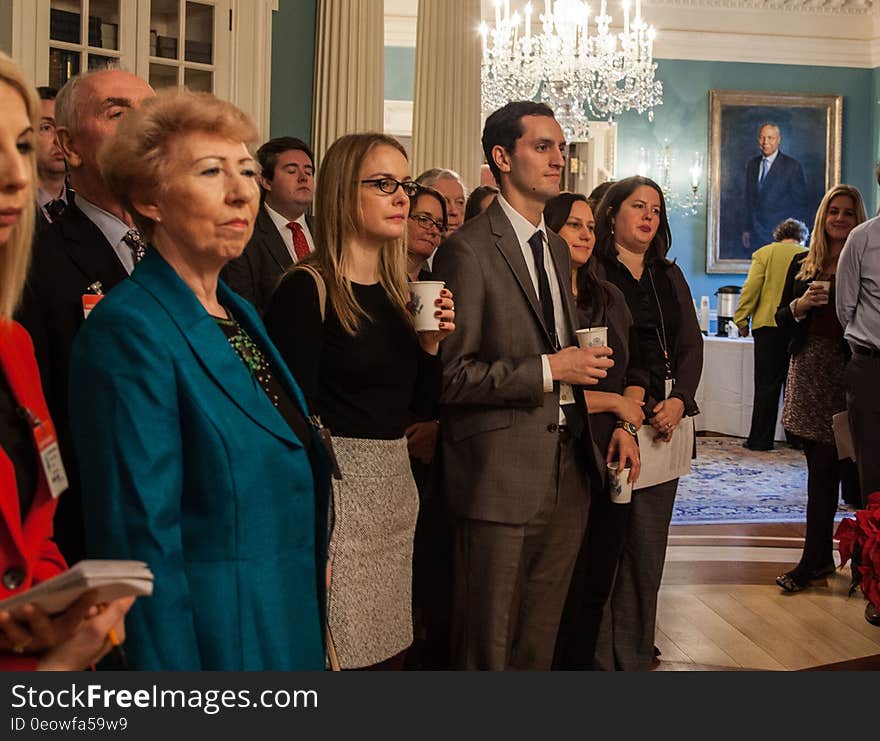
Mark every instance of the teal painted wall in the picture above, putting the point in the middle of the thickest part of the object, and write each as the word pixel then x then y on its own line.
pixel 293 65
pixel 400 72
pixel 684 120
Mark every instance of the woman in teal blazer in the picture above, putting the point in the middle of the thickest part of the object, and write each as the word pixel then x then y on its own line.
pixel 195 448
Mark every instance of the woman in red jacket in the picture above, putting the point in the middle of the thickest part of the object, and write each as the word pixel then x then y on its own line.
pixel 30 639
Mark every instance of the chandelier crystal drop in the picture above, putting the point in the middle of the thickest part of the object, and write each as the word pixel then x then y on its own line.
pixel 573 62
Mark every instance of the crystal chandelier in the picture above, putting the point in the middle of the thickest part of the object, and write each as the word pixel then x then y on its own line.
pixel 570 65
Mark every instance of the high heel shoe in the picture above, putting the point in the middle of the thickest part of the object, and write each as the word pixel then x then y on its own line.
pixel 790 584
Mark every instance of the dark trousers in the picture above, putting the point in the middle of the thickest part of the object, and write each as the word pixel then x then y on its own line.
pixel 825 475
pixel 510 581
pixel 432 572
pixel 771 368
pixel 626 637
pixel 591 584
pixel 863 403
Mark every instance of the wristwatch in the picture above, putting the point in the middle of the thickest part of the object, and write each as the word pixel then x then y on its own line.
pixel 628 426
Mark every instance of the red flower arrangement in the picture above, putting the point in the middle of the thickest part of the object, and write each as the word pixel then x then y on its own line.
pixel 860 541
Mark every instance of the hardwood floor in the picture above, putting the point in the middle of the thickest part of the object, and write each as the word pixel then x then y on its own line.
pixel 720 609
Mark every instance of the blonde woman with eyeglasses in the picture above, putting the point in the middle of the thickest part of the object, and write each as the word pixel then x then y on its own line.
pixel 341 320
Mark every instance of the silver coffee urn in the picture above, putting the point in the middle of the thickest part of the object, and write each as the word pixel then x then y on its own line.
pixel 728 300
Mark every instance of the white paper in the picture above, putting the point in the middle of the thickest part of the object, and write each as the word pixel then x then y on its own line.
pixel 662 461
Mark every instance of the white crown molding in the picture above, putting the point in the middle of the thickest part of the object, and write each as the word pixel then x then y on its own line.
pixel 835 7
pixel 728 47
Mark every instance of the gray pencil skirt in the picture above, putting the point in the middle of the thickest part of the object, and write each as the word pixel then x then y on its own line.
pixel 369 604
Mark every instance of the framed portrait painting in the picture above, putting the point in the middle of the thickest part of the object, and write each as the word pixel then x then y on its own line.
pixel 772 156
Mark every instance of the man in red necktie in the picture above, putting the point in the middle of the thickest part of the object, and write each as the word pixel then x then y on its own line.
pixel 282 234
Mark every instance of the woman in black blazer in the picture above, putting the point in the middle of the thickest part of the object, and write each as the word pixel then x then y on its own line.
pixel 814 390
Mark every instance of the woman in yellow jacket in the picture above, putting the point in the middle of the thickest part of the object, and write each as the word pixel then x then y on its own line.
pixel 759 299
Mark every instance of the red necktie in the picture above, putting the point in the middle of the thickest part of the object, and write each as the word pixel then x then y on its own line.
pixel 300 244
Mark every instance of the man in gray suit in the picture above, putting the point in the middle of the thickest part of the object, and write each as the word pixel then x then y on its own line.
pixel 518 458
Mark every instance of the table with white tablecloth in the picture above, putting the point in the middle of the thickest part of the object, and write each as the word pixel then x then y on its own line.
pixel 727 387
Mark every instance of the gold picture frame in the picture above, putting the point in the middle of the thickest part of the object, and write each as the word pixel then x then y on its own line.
pixel 743 207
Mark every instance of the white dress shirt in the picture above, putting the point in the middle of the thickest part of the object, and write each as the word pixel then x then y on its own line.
pixel 858 286
pixel 770 160
pixel 112 228
pixel 286 234
pixel 524 230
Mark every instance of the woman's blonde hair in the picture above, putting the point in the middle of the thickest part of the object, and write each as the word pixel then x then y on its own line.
pixel 338 219
pixel 15 255
pixel 814 263
pixel 136 160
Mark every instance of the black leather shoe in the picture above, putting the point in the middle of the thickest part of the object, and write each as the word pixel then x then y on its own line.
pixel 872 614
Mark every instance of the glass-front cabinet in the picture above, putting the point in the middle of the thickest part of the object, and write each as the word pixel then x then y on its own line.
pixel 168 42
pixel 219 46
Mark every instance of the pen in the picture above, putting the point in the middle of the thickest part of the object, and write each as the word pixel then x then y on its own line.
pixel 118 650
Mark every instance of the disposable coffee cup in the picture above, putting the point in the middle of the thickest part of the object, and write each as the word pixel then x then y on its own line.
pixel 825 285
pixel 422 295
pixel 619 485
pixel 593 337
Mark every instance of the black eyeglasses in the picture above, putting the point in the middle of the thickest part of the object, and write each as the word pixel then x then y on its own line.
pixel 390 186
pixel 426 222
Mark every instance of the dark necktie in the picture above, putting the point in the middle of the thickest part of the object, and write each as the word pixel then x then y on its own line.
pixel 765 166
pixel 300 243
pixel 536 242
pixel 55 208
pixel 136 244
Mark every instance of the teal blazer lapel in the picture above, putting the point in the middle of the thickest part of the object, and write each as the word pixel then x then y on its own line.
pixel 209 344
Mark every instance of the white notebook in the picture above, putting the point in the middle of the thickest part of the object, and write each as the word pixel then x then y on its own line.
pixel 111 579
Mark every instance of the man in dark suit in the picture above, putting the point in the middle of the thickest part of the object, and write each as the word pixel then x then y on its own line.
pixel 52 193
pixel 517 453
pixel 83 254
pixel 282 232
pixel 775 190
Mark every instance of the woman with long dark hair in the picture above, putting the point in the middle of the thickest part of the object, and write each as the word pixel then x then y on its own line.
pixel 815 390
pixel 632 241
pixel 615 406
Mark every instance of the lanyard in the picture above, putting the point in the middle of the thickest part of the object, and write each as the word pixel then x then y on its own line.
pixel 664 343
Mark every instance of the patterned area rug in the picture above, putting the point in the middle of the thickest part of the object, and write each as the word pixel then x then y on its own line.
pixel 732 484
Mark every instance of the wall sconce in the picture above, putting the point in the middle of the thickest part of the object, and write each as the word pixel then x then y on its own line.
pixel 690 203
pixel 686 204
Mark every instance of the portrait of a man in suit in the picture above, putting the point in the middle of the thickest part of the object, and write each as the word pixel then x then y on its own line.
pixel 752 189
pixel 775 189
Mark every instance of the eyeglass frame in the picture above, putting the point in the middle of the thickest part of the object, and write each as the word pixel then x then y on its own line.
pixel 407 185
pixel 438 225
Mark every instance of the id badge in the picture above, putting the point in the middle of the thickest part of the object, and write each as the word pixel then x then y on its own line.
pixel 566 394
pixel 89 302
pixel 50 457
pixel 668 384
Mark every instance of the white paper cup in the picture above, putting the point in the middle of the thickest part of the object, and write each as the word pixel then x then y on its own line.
pixel 422 295
pixel 619 485
pixel 825 285
pixel 593 337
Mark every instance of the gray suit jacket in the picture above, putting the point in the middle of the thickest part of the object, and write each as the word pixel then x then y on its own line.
pixel 499 439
